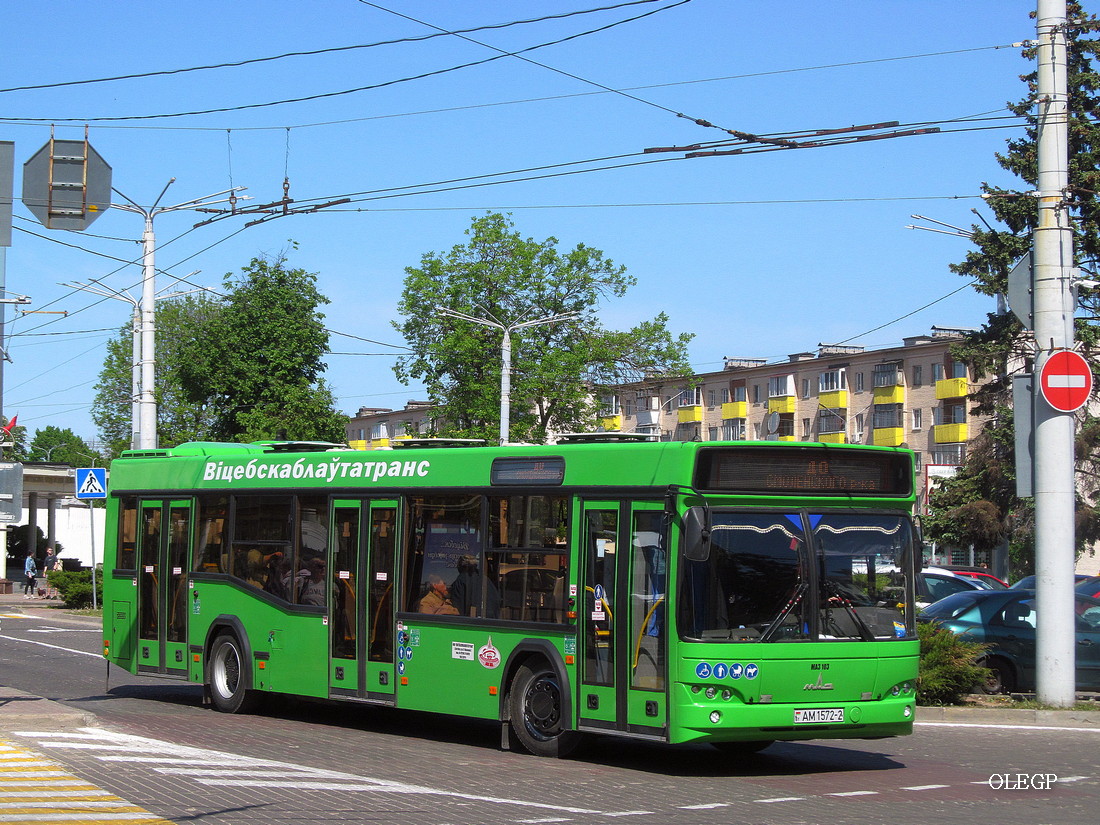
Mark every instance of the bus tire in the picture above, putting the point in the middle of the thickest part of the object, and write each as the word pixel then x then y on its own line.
pixel 228 676
pixel 535 712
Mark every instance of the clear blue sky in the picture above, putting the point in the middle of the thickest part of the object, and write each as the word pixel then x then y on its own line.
pixel 759 255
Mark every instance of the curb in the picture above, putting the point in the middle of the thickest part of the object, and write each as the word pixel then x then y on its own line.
pixel 1007 716
pixel 20 711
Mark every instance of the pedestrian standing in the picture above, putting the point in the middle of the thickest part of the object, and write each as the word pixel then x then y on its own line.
pixel 30 569
pixel 49 565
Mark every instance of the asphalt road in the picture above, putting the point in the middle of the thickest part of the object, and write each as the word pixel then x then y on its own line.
pixel 304 761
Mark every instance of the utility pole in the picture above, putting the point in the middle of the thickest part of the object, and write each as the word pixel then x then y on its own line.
pixel 506 355
pixel 147 402
pixel 1053 309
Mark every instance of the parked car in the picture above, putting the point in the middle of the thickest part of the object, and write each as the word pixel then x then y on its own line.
pixel 1089 587
pixel 1005 620
pixel 979 574
pixel 935 583
pixel 1028 582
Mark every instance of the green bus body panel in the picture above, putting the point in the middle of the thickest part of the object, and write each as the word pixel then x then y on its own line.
pixel 462 666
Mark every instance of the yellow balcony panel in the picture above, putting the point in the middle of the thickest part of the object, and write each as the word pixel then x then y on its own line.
pixel 783 404
pixel 888 436
pixel 890 395
pixel 834 399
pixel 786 438
pixel 951 388
pixel 832 438
pixel 735 409
pixel 375 443
pixel 358 444
pixel 690 414
pixel 950 433
pixel 612 423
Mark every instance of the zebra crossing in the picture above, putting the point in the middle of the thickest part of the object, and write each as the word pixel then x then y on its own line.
pixel 35 790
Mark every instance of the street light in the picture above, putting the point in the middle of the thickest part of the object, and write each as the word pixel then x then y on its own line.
pixel 506 354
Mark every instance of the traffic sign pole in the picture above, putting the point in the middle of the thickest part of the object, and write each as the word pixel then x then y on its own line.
pixel 1053 324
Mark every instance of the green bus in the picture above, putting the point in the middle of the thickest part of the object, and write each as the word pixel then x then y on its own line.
pixel 732 593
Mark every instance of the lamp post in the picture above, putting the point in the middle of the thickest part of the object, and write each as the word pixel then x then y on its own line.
pixel 506 354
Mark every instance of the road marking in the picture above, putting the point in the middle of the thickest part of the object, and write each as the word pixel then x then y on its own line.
pixel 854 793
pixel 704 807
pixel 55 795
pixel 53 647
pixel 782 799
pixel 1005 727
pixel 924 787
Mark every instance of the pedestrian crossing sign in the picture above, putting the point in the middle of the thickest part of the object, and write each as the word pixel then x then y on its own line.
pixel 91 482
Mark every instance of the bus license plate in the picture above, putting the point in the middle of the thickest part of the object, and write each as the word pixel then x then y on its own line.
pixel 818 716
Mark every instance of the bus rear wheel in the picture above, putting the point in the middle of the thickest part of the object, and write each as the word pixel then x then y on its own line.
pixel 535 710
pixel 228 677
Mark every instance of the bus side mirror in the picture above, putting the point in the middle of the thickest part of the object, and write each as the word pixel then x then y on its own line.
pixel 696 534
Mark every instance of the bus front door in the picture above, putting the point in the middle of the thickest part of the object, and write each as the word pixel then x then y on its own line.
pixel 361 615
pixel 623 636
pixel 162 587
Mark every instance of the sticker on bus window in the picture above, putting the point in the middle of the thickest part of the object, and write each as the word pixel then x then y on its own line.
pixel 177 571
pixel 598 615
pixel 573 591
pixel 899 630
pixel 149 568
pixel 381 576
pixel 344 574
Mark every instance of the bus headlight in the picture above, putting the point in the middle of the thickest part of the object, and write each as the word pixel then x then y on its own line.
pixel 710 692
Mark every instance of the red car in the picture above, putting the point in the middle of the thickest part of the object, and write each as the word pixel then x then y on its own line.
pixel 983 576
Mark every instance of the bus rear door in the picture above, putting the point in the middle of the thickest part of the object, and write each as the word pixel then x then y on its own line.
pixel 361 615
pixel 162 592
pixel 623 627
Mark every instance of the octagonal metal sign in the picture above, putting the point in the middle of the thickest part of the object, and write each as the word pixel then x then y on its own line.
pixel 67 184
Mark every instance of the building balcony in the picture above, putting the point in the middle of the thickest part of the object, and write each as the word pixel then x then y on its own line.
pixel 894 394
pixel 687 415
pixel 950 433
pixel 611 423
pixel 358 444
pixel 785 438
pixel 782 404
pixel 887 436
pixel 951 388
pixel 834 399
pixel 375 443
pixel 832 438
pixel 647 418
pixel 735 409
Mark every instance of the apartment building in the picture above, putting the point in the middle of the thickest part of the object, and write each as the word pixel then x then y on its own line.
pixel 914 395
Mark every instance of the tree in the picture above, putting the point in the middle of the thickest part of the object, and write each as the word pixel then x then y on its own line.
pixel 18 438
pixel 179 323
pixel 61 447
pixel 979 505
pixel 254 365
pixel 559 369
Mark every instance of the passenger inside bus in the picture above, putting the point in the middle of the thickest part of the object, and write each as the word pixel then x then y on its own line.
pixel 437 600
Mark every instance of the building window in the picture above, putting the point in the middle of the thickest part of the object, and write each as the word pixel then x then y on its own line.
pixel 859 382
pixel 958 369
pixel 918 377
pixel 937 372
pixel 887 416
pixel 755 393
pixel 738 393
pixel 948 454
pixel 689 397
pixel 712 398
pixel 378 430
pixel 888 375
pixel 609 405
pixel 916 464
pixel 805 387
pixel 951 413
pixel 780 386
pixel 628 408
pixel 831 380
pixel 917 418
pixel 859 428
pixel 733 429
pixel 726 394
pixel 828 421
pixel 712 434
pixel 807 427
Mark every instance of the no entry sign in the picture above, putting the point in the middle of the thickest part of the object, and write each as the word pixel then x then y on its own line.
pixel 1066 381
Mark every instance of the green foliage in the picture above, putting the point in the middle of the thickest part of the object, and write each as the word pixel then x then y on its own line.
pixel 558 369
pixel 75 587
pixel 948 666
pixel 979 505
pixel 245 367
pixel 62 447
pixel 18 451
pixel 256 363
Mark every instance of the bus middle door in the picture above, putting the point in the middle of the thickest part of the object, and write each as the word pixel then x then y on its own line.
pixel 361 615
pixel 162 591
pixel 623 627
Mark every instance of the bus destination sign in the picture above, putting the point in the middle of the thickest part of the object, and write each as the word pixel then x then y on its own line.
pixel 813 470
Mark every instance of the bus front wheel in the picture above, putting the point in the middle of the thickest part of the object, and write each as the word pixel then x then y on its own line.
pixel 228 677
pixel 535 709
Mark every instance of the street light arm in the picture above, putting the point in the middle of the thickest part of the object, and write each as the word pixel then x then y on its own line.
pixel 553 319
pixel 463 316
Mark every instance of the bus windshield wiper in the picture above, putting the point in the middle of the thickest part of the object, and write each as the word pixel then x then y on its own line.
pixel 799 592
pixel 837 595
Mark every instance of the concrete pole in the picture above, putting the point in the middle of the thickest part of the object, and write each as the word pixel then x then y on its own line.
pixel 505 385
pixel 148 428
pixel 135 383
pixel 1053 323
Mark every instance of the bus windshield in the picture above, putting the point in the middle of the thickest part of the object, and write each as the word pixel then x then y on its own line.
pixel 785 577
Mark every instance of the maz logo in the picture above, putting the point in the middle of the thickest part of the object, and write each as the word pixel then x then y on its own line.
pixel 820 685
